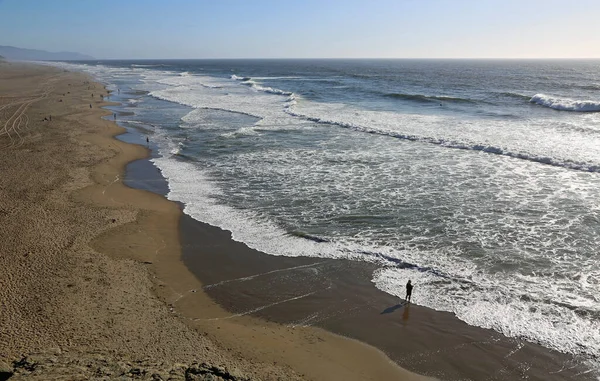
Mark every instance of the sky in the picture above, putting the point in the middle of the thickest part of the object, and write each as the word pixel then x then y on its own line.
pixel 145 29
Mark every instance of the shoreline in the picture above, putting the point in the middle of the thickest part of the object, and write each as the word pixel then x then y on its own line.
pixel 69 310
pixel 429 342
pixel 311 344
pixel 95 266
pixel 343 300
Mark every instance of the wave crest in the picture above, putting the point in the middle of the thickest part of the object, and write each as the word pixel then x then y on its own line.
pixel 450 143
pixel 514 95
pixel 237 78
pixel 565 104
pixel 250 83
pixel 429 98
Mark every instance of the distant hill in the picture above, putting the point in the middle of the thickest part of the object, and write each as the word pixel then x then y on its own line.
pixel 13 53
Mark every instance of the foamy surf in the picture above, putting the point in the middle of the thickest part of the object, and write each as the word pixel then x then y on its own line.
pixel 502 306
pixel 565 104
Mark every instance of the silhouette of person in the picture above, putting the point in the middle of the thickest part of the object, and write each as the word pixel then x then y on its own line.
pixel 147 140
pixel 409 288
pixel 115 116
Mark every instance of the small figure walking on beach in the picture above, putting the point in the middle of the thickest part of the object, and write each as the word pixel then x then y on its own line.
pixel 147 140
pixel 115 116
pixel 409 288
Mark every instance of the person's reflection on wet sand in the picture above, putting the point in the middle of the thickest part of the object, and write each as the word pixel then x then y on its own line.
pixel 405 313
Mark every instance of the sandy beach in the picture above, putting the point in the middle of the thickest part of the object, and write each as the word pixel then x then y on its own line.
pixel 93 271
pixel 104 278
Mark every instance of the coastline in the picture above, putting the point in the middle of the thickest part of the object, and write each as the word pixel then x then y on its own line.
pixel 246 282
pixel 68 310
pixel 84 277
pixel 94 266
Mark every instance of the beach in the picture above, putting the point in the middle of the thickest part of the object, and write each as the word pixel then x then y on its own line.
pixel 101 267
pixel 93 268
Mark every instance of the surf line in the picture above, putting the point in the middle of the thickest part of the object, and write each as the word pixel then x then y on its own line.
pixel 243 279
pixel 257 309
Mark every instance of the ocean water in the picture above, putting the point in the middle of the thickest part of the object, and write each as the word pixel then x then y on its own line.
pixel 477 180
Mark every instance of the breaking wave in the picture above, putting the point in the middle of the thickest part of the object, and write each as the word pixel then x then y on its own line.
pixel 449 143
pixel 565 104
pixel 237 78
pixel 266 89
pixel 250 83
pixel 141 65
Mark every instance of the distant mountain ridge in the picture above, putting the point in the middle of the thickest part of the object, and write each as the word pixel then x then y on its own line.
pixel 14 53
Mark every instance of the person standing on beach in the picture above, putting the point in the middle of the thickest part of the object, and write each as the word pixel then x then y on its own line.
pixel 409 288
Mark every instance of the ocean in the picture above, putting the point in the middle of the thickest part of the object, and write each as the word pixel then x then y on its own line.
pixel 479 180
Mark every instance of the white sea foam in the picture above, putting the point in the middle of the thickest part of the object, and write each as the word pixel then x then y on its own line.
pixel 565 104
pixel 177 149
pixel 503 305
pixel 190 186
pixel 539 140
pixel 266 104
pixel 244 131
pixel 266 89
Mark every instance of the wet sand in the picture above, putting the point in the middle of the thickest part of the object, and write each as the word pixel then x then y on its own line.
pixel 338 295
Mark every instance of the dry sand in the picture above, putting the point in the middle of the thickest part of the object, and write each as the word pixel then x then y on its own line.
pixel 91 266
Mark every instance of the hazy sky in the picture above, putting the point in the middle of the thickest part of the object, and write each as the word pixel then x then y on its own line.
pixel 305 28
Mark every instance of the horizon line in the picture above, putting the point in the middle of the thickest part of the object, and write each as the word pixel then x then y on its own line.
pixel 350 58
